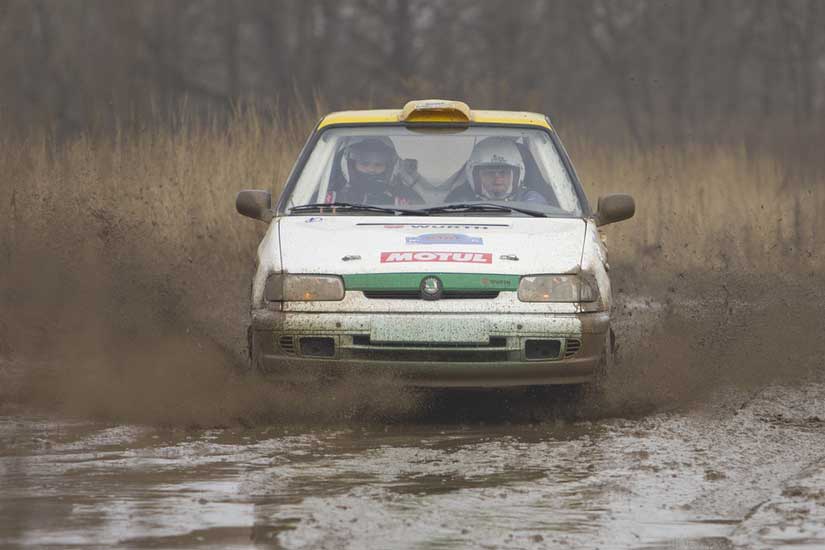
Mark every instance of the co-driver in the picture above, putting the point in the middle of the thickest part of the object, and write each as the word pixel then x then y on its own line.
pixel 494 171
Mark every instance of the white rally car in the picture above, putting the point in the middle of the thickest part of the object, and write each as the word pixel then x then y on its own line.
pixel 446 246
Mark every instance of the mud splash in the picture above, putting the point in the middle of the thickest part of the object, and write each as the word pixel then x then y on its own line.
pixel 122 341
pixel 143 353
pixel 124 292
pixel 684 335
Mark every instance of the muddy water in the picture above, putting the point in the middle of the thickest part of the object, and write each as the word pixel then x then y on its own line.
pixel 746 470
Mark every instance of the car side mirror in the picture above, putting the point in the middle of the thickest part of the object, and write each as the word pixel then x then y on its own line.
pixel 614 208
pixel 255 204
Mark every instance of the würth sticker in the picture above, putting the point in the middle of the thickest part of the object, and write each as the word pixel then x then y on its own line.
pixel 454 257
pixel 444 238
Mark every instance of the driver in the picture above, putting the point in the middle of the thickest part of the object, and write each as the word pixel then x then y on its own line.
pixel 370 176
pixel 494 171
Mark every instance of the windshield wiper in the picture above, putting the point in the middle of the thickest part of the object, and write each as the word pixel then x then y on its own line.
pixel 480 207
pixel 351 207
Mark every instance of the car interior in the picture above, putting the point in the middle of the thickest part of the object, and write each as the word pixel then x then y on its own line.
pixel 532 175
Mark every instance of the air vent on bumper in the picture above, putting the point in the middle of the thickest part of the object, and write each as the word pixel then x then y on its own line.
pixel 287 344
pixel 573 346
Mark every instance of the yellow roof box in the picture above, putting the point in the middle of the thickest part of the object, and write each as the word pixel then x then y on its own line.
pixel 436 110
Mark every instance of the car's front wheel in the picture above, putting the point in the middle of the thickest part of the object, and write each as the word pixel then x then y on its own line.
pixel 594 391
pixel 253 353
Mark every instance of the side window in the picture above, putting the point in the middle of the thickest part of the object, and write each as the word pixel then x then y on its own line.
pixel 554 172
pixel 533 178
pixel 336 176
pixel 315 178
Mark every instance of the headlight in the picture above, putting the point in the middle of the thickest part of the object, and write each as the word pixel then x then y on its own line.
pixel 303 288
pixel 557 288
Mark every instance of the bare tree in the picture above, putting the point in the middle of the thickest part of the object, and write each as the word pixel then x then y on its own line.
pixel 644 68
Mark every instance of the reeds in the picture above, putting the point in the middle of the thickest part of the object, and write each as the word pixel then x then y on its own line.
pixel 711 208
pixel 173 186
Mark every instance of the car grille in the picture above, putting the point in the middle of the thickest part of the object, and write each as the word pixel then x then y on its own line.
pixel 364 340
pixel 495 350
pixel 416 295
pixel 430 355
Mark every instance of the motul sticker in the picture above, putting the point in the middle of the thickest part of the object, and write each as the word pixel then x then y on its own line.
pixel 449 257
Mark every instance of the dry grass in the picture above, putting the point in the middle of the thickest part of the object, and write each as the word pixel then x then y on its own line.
pixel 123 261
pixel 175 188
pixel 719 208
pixel 112 233
pixel 698 207
pixel 153 211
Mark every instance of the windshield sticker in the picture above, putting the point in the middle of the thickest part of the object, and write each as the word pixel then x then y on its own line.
pixel 450 257
pixel 444 238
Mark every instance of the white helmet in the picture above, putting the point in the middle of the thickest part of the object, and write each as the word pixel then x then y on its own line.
pixel 494 152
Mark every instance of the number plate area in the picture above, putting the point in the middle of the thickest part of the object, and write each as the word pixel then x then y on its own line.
pixel 435 329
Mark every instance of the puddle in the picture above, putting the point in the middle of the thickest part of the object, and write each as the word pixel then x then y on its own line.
pixel 677 480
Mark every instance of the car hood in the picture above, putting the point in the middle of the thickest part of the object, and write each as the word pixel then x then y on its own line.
pixel 346 245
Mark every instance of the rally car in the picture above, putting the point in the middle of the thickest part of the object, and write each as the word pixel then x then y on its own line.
pixel 445 246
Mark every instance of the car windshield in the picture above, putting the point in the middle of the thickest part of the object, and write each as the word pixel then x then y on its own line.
pixel 406 170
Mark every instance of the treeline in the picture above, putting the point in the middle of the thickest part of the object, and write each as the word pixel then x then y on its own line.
pixel 647 70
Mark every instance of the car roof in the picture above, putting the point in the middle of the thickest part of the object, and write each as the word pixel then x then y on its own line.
pixel 434 111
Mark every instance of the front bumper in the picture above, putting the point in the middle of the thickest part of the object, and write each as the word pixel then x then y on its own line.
pixel 569 347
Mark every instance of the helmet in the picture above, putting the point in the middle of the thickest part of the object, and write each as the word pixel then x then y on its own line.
pixel 495 152
pixel 378 156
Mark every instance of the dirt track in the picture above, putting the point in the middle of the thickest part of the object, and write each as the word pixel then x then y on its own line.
pixel 744 470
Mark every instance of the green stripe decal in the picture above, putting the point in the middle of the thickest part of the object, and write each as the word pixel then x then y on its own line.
pixel 412 281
